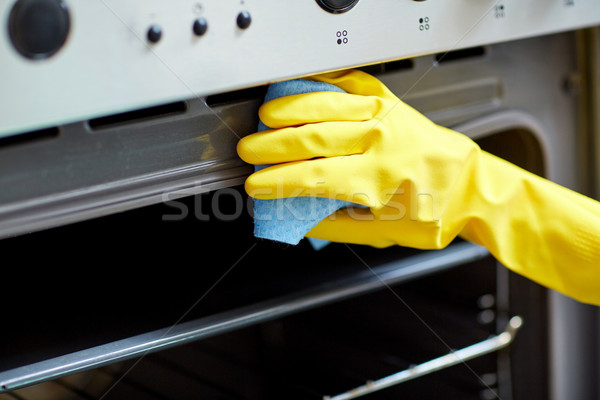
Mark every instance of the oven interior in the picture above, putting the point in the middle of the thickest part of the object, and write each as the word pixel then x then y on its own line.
pixel 129 273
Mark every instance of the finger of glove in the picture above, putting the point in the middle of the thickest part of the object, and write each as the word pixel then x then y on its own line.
pixel 356 82
pixel 352 225
pixel 363 226
pixel 306 108
pixel 326 139
pixel 325 177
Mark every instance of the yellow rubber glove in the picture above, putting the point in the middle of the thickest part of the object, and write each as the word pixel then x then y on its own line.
pixel 423 184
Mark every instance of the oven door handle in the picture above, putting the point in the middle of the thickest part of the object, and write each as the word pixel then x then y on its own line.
pixel 487 346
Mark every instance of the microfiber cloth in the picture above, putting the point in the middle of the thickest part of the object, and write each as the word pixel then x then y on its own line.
pixel 288 220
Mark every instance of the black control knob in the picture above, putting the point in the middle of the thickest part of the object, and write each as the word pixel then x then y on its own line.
pixel 38 28
pixel 200 27
pixel 337 6
pixel 154 34
pixel 244 19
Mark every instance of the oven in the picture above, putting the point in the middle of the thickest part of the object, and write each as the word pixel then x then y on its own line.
pixel 130 266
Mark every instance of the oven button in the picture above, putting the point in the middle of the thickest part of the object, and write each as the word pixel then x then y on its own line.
pixel 154 34
pixel 337 6
pixel 244 19
pixel 200 27
pixel 38 28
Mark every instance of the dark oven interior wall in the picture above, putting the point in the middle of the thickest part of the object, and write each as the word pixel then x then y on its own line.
pixel 334 348
pixel 116 276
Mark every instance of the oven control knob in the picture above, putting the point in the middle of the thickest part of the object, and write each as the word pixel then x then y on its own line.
pixel 337 6
pixel 244 19
pixel 200 26
pixel 154 34
pixel 38 28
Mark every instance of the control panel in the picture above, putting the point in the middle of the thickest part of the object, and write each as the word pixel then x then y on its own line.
pixel 67 60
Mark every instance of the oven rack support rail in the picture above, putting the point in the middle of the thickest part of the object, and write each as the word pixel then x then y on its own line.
pixel 382 276
pixel 455 357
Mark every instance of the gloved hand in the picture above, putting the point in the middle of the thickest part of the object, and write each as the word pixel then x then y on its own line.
pixel 422 184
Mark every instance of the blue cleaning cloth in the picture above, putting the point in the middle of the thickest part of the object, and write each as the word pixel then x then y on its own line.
pixel 288 220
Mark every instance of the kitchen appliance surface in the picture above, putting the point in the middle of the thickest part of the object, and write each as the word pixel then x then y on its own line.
pixel 123 197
